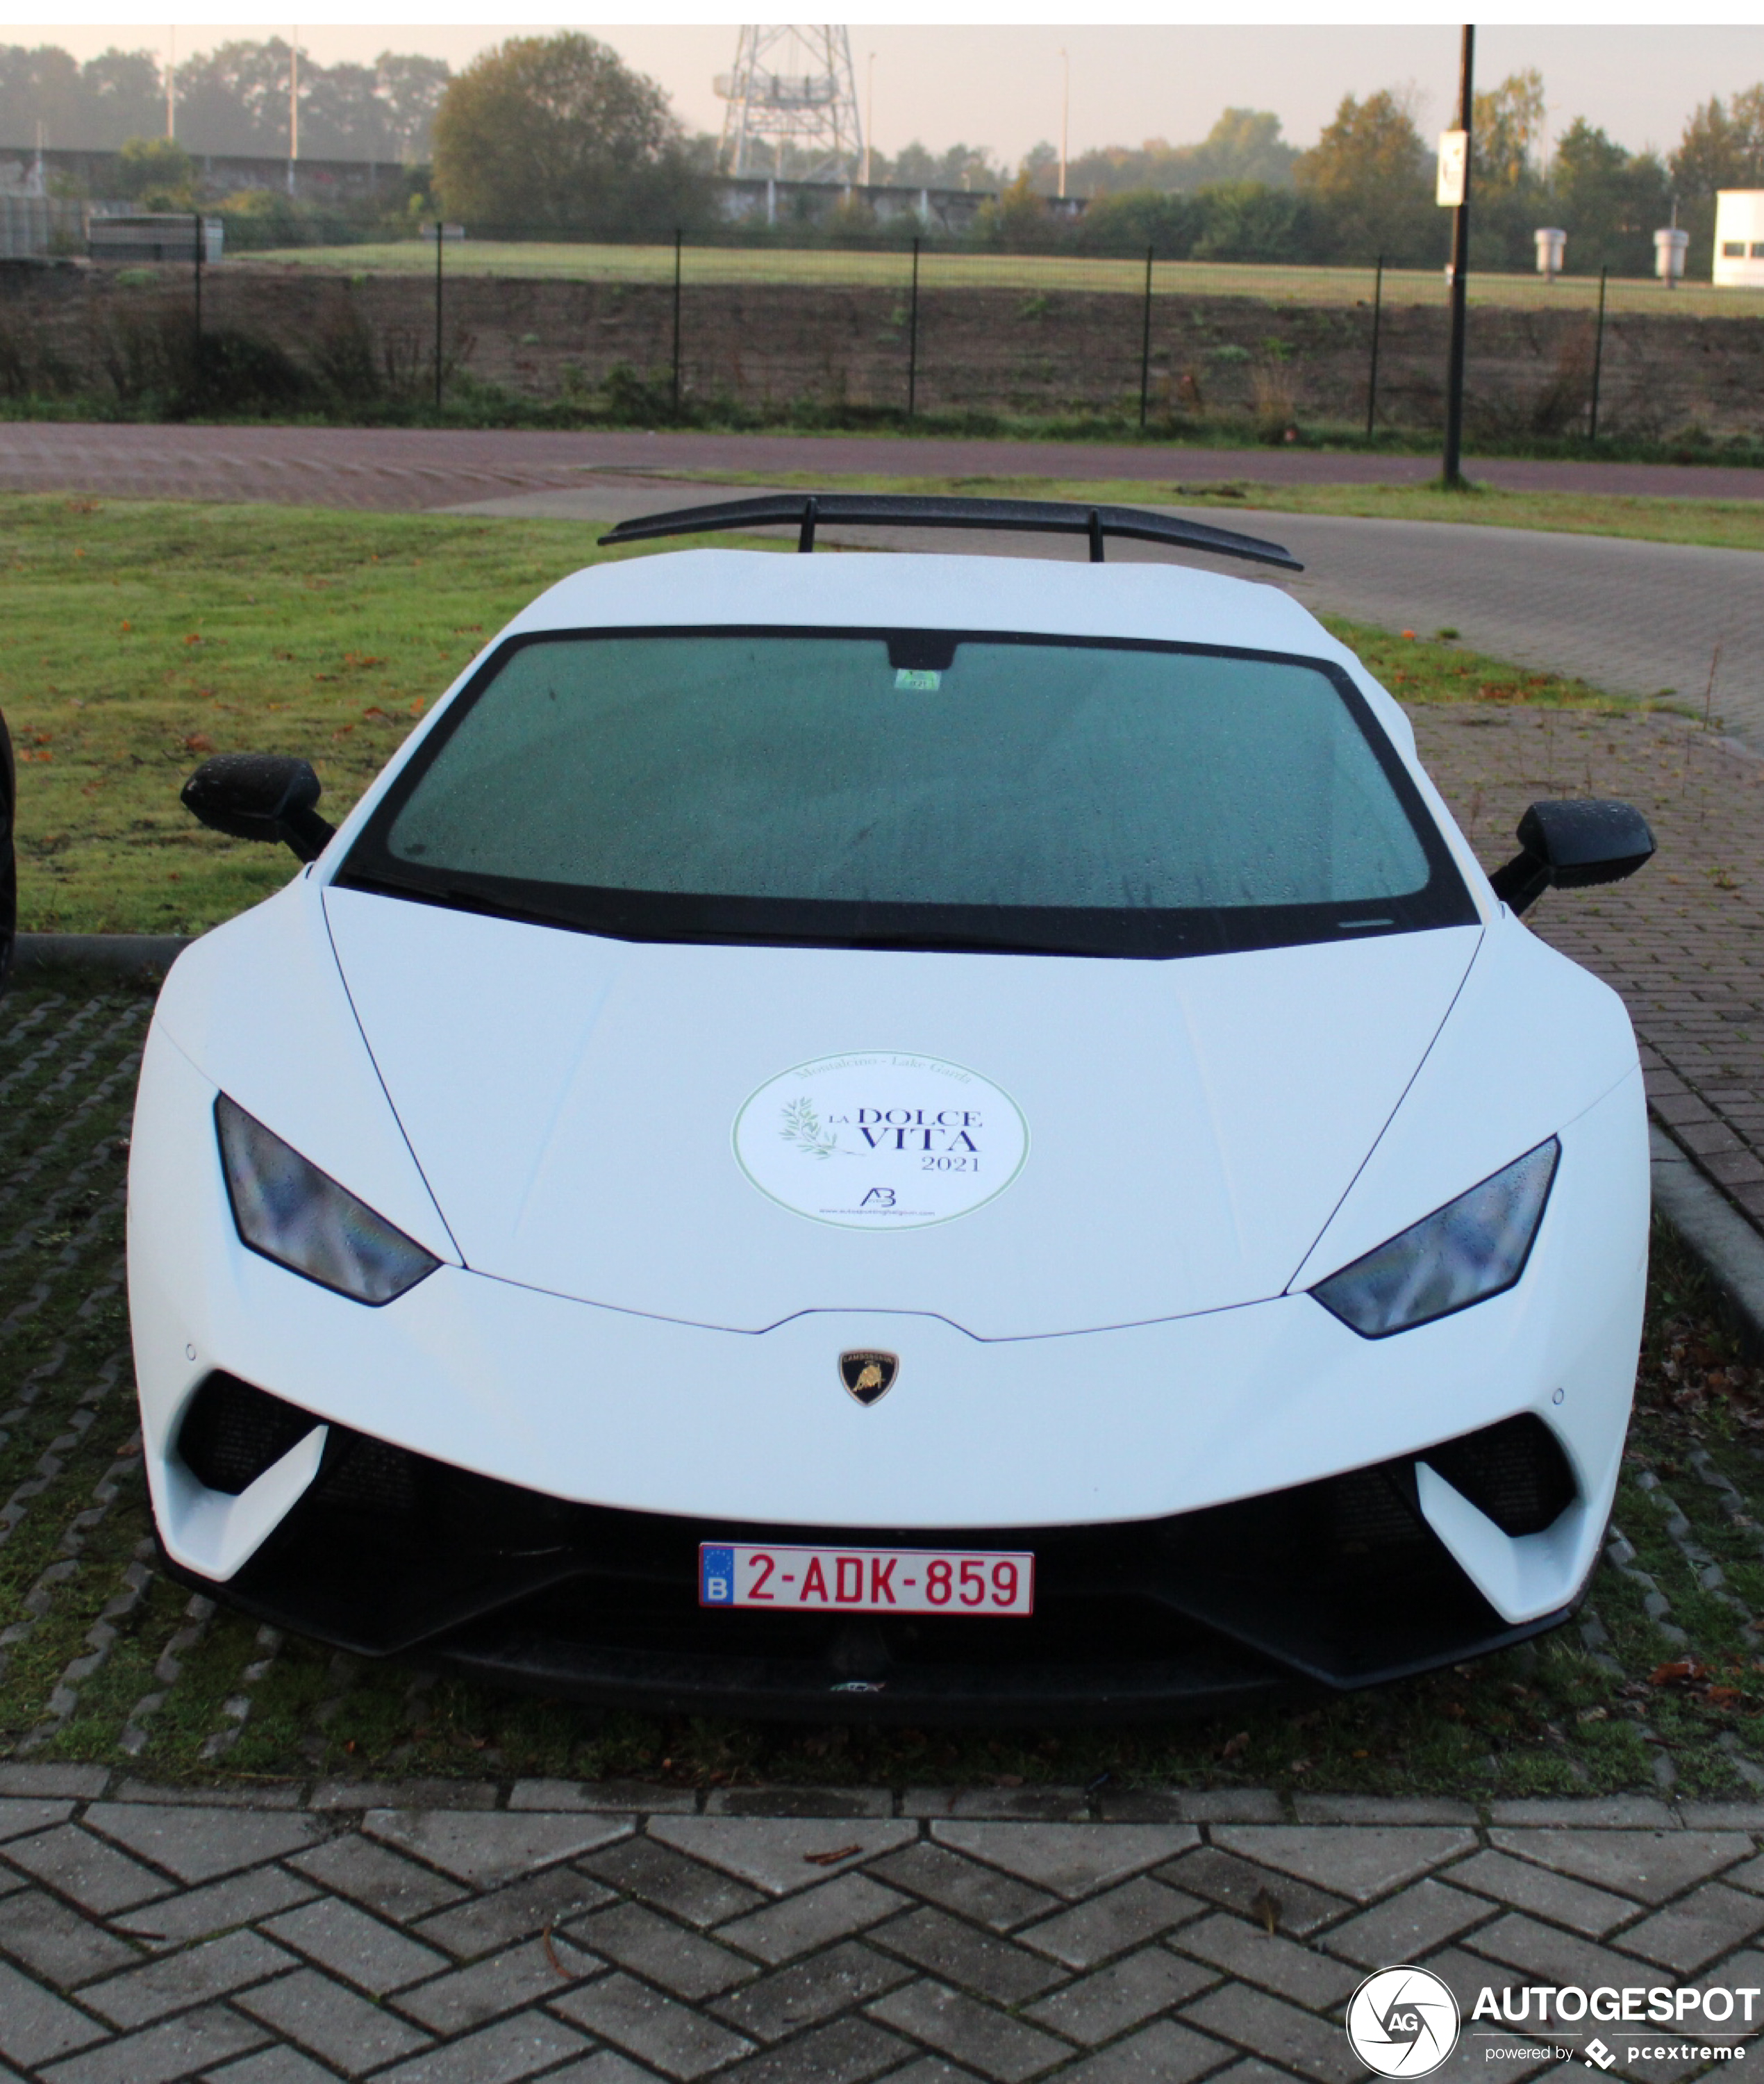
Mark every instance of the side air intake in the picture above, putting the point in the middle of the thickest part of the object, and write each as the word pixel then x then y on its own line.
pixel 232 1433
pixel 1516 1473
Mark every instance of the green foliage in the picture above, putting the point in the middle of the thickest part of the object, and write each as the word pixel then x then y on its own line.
pixel 1610 202
pixel 1244 145
pixel 95 105
pixel 157 173
pixel 1722 147
pixel 556 133
pixel 1370 178
pixel 1018 221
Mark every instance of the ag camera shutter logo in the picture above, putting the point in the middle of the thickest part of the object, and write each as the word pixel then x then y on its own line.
pixel 1403 2022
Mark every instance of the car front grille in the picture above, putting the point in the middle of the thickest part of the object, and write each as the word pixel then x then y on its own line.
pixel 1340 1581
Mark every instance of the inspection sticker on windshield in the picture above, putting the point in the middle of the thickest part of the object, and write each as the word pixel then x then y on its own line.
pixel 872 1581
pixel 881 1140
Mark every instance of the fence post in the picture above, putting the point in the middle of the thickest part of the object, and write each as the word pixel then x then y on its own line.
pixel 441 242
pixel 677 236
pixel 1598 357
pixel 197 381
pixel 912 338
pixel 1377 313
pixel 1145 342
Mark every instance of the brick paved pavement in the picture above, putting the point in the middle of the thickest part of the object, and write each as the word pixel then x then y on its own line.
pixel 486 1933
pixel 1684 940
pixel 409 468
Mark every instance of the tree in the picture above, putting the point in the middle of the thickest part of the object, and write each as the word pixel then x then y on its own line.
pixel 410 89
pixel 1369 180
pixel 38 87
pixel 1722 148
pixel 1506 129
pixel 157 173
pixel 234 98
pixel 1610 202
pixel 966 167
pixel 1250 221
pixel 1244 145
pixel 1139 218
pixel 1040 168
pixel 123 96
pixel 1509 201
pixel 556 133
pixel 1018 220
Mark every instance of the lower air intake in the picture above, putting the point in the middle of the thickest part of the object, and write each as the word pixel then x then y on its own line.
pixel 1516 1473
pixel 232 1433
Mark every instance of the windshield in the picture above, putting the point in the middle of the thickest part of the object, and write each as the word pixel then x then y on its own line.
pixel 914 788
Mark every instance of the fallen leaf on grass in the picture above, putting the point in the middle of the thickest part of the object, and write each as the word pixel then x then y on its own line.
pixel 1232 1746
pixel 1681 1671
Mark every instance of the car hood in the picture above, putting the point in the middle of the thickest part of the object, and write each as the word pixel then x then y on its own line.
pixel 709 1133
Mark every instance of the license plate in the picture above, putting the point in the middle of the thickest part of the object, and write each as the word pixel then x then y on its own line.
pixel 872 1580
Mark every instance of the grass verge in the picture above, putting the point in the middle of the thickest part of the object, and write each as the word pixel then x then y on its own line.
pixel 105 1660
pixel 143 636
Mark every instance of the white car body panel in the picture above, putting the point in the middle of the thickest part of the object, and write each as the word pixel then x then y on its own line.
pixel 1192 1123
pixel 613 1408
pixel 621 1319
pixel 258 1004
pixel 1536 1039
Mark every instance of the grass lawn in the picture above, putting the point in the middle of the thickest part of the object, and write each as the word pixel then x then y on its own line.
pixel 144 636
pixel 1600 1705
pixel 944 269
pixel 1724 524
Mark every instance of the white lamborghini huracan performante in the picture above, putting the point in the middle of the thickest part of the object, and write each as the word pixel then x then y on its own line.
pixel 904 1136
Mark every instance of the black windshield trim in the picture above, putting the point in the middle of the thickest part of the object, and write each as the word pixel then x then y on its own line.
pixel 1159 935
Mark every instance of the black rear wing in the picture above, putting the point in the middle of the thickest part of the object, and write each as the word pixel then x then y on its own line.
pixel 806 511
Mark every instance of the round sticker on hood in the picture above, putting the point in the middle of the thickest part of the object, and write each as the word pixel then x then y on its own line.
pixel 881 1140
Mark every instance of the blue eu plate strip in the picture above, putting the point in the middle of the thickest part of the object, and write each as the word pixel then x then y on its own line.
pixel 716 1577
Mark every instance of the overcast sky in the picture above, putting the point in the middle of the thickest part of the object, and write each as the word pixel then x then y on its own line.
pixel 1001 86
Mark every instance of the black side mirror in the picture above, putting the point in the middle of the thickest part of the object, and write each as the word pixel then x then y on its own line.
pixel 1580 840
pixel 259 796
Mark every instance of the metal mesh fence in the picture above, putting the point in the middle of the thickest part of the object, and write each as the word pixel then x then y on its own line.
pixel 888 331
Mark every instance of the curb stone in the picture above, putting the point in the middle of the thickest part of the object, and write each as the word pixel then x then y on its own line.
pixel 102 954
pixel 1714 1231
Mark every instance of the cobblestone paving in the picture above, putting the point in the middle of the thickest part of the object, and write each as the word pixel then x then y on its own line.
pixel 406 469
pixel 608 1935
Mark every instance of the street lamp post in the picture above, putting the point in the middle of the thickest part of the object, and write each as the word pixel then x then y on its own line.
pixel 1451 471
pixel 1065 112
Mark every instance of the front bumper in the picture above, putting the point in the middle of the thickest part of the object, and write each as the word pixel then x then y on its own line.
pixel 1342 1582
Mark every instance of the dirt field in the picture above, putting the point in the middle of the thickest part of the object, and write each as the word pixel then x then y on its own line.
pixel 769 345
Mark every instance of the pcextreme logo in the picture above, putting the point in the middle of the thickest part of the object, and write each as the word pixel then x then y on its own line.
pixel 1404 2022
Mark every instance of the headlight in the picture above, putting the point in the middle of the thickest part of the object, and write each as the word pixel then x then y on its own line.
pixel 1472 1249
pixel 293 1214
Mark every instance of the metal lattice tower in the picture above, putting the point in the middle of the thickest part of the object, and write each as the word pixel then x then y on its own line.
pixel 792 88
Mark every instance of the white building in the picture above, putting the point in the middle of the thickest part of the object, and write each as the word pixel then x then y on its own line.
pixel 1739 238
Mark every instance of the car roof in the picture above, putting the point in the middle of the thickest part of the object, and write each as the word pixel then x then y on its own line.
pixel 1164 602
